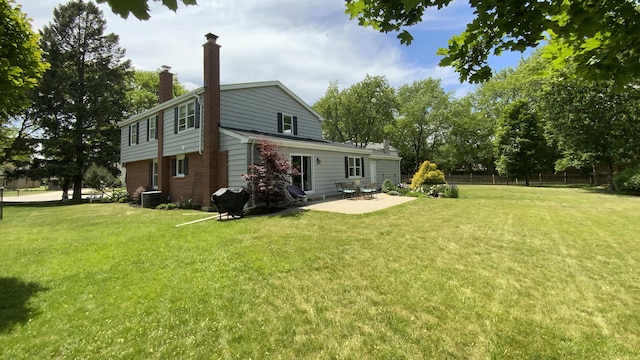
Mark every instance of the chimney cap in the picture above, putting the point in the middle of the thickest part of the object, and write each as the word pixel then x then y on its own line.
pixel 211 36
pixel 165 68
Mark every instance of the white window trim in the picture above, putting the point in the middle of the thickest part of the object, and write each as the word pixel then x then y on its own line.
pixel 154 176
pixel 152 126
pixel 355 167
pixel 184 121
pixel 180 158
pixel 286 124
pixel 133 130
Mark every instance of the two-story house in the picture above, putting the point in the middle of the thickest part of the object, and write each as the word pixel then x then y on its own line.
pixel 192 145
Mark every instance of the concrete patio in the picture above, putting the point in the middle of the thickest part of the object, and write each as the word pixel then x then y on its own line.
pixel 357 206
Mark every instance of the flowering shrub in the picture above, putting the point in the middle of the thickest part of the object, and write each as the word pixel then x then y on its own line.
pixel 137 195
pixel 448 191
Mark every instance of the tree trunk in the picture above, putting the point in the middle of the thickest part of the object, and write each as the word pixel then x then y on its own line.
pixel 65 190
pixel 77 188
pixel 612 186
pixel 526 181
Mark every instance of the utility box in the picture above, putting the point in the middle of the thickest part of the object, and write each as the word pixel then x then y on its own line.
pixel 151 199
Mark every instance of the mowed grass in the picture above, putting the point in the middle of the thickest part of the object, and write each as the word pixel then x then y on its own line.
pixel 500 273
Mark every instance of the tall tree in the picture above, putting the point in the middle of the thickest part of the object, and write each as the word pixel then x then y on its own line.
pixel 143 91
pixel 520 145
pixel 468 145
pixel 21 63
pixel 21 67
pixel 422 122
pixel 601 35
pixel 591 123
pixel 82 95
pixel 359 113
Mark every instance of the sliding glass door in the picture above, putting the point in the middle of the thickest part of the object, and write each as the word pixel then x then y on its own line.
pixel 304 164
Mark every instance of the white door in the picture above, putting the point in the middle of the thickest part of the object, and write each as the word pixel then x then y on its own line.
pixel 372 171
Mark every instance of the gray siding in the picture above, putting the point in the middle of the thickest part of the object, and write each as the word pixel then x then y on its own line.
pixel 237 160
pixel 257 109
pixel 141 151
pixel 387 169
pixel 183 142
pixel 329 171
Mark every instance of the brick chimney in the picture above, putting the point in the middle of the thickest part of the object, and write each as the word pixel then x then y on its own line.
pixel 166 84
pixel 215 166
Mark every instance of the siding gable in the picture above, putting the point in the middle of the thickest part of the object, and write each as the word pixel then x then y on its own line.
pixel 257 109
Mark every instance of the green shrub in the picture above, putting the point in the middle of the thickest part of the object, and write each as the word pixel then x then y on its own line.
pixel 166 206
pixel 452 191
pixel 427 174
pixel 628 180
pixel 393 192
pixel 186 204
pixel 388 185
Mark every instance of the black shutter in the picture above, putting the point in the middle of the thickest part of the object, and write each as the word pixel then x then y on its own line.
pixel 362 164
pixel 346 167
pixel 186 165
pixel 197 114
pixel 155 137
pixel 175 120
pixel 280 123
pixel 150 175
pixel 148 129
pixel 173 166
pixel 129 135
pixel 138 133
pixel 295 125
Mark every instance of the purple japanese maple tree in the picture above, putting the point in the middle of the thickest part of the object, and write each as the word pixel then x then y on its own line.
pixel 268 180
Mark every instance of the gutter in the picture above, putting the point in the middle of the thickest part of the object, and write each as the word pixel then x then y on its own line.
pixel 200 113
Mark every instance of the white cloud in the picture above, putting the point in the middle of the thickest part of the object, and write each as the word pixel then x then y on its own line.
pixel 303 44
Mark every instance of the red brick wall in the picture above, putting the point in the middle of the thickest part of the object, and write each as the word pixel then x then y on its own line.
pixel 166 86
pixel 189 186
pixel 137 175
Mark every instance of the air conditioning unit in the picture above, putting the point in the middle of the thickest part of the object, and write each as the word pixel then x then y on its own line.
pixel 151 199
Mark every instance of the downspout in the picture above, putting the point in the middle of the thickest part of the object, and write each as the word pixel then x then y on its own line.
pixel 201 124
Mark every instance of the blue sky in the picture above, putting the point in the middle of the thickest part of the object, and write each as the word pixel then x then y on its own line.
pixel 303 43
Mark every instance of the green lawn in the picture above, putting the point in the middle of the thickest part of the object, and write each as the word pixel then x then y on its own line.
pixel 500 273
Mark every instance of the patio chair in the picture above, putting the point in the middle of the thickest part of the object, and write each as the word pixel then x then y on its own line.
pixel 297 194
pixel 339 189
pixel 369 190
pixel 348 190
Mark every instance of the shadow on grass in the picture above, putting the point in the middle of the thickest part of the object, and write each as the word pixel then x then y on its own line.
pixel 45 203
pixel 14 297
pixel 590 189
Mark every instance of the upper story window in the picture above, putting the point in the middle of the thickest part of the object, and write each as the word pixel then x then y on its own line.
pixel 152 128
pixel 134 131
pixel 186 116
pixel 287 124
